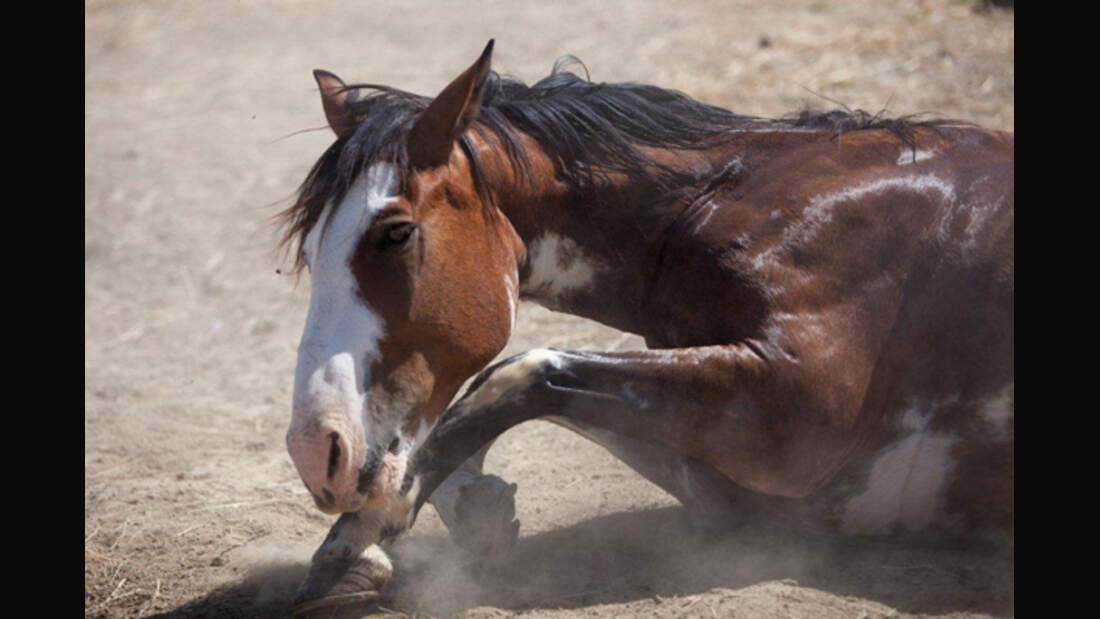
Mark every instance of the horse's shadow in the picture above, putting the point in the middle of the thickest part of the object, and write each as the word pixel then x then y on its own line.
pixel 649 554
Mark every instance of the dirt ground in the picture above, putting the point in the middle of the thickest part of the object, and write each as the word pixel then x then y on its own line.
pixel 191 504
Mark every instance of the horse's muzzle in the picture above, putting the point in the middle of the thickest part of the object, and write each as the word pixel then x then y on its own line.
pixel 329 459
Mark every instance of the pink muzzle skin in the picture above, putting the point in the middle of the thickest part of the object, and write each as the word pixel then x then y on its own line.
pixel 329 455
pixel 336 470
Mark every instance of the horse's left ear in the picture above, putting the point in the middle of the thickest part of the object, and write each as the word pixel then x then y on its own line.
pixel 432 137
pixel 335 98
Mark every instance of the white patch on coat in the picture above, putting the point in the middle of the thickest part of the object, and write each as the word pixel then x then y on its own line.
pixel 514 375
pixel 557 267
pixel 342 332
pixel 979 210
pixel 513 296
pixel 999 409
pixel 820 211
pixel 909 155
pixel 980 213
pixel 916 417
pixel 710 207
pixel 905 483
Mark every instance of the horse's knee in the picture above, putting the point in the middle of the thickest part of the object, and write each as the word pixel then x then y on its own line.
pixel 509 377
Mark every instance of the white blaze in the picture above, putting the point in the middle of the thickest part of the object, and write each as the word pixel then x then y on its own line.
pixel 342 332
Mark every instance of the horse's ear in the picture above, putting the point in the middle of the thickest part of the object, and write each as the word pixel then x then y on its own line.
pixel 335 97
pixel 432 137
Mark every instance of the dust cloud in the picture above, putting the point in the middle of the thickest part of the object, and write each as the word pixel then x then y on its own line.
pixel 656 561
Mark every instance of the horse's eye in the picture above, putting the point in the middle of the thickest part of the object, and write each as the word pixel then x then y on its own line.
pixel 396 235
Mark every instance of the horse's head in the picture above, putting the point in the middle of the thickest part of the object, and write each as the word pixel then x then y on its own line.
pixel 413 290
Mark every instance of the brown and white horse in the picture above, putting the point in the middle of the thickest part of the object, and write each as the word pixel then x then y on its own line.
pixel 828 301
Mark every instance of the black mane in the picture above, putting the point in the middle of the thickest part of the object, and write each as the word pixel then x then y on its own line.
pixel 590 131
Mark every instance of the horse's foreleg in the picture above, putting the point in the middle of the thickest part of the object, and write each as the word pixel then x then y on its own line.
pixel 349 567
pixel 713 502
pixel 723 406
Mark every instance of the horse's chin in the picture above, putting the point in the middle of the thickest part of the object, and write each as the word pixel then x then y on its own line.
pixel 391 498
pixel 390 475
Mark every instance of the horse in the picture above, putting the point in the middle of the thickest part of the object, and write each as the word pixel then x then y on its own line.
pixel 827 302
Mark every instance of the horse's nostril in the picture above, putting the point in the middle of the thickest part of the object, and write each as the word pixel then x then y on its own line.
pixel 394 444
pixel 333 454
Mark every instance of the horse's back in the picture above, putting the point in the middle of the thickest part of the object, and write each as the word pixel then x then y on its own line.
pixel 879 272
pixel 906 252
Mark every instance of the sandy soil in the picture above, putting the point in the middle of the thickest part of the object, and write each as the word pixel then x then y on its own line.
pixel 191 504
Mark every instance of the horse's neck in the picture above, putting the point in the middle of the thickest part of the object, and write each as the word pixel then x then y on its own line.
pixel 597 258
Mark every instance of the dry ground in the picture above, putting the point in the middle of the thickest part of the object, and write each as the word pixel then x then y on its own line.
pixel 191 504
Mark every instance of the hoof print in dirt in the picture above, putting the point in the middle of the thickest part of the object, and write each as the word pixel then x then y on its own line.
pixel 486 514
pixel 340 583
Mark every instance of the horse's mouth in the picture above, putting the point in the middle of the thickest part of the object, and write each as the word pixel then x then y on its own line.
pixel 333 508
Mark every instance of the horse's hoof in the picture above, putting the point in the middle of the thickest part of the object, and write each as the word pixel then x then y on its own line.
pixel 342 582
pixel 486 512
